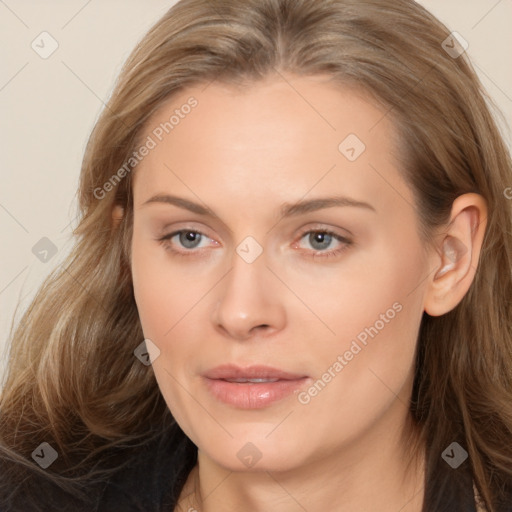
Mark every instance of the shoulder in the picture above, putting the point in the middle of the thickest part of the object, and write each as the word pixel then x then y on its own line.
pixel 153 479
pixel 23 489
pixel 506 503
pixel 452 490
pixel 149 478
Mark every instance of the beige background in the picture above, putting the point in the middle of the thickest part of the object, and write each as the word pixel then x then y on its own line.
pixel 48 107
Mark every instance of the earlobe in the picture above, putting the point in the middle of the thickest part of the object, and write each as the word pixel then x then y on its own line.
pixel 117 215
pixel 457 255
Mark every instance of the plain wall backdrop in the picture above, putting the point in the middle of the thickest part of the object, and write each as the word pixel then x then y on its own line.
pixel 49 105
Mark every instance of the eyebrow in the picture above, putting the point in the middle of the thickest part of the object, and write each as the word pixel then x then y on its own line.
pixel 287 209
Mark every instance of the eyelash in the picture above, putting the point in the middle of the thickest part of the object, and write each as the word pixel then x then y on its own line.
pixel 329 253
pixel 316 254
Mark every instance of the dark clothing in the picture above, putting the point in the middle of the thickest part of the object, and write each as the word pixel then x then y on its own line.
pixel 154 477
pixel 150 480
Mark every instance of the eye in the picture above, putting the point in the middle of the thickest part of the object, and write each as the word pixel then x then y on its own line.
pixel 189 239
pixel 185 240
pixel 324 243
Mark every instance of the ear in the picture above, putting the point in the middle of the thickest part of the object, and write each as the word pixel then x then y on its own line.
pixel 455 256
pixel 117 215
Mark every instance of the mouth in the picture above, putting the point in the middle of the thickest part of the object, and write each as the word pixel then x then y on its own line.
pixel 250 381
pixel 253 387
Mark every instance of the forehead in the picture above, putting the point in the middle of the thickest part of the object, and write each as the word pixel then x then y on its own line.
pixel 286 135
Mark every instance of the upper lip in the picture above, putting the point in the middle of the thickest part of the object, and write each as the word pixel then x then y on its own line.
pixel 231 371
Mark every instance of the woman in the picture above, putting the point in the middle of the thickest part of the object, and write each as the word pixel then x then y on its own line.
pixel 294 276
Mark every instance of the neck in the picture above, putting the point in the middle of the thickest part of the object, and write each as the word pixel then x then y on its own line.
pixel 372 473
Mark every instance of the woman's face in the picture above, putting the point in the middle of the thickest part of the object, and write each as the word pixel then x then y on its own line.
pixel 286 297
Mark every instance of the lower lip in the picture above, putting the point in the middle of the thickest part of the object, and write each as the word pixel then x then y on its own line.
pixel 253 395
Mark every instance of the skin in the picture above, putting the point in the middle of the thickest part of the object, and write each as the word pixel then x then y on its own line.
pixel 243 153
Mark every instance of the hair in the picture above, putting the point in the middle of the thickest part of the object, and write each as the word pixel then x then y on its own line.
pixel 73 380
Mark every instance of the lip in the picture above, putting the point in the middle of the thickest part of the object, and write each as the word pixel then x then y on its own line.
pixel 252 395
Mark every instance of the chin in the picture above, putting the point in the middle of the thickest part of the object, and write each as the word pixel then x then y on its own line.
pixel 257 454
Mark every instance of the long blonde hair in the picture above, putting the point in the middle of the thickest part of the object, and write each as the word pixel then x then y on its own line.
pixel 73 380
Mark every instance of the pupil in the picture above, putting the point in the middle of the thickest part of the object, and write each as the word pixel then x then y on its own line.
pixel 320 240
pixel 189 239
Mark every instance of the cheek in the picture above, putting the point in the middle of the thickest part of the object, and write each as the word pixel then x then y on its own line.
pixel 163 294
pixel 148 287
pixel 364 293
pixel 373 312
pixel 163 298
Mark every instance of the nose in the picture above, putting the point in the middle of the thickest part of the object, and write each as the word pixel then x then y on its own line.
pixel 250 301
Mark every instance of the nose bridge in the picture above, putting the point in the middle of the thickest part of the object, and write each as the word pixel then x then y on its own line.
pixel 248 298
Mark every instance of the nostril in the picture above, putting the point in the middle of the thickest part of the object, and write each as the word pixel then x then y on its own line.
pixel 262 327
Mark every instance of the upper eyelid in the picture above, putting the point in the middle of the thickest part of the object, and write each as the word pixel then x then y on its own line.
pixel 331 231
pixel 168 231
pixel 316 226
pixel 172 234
